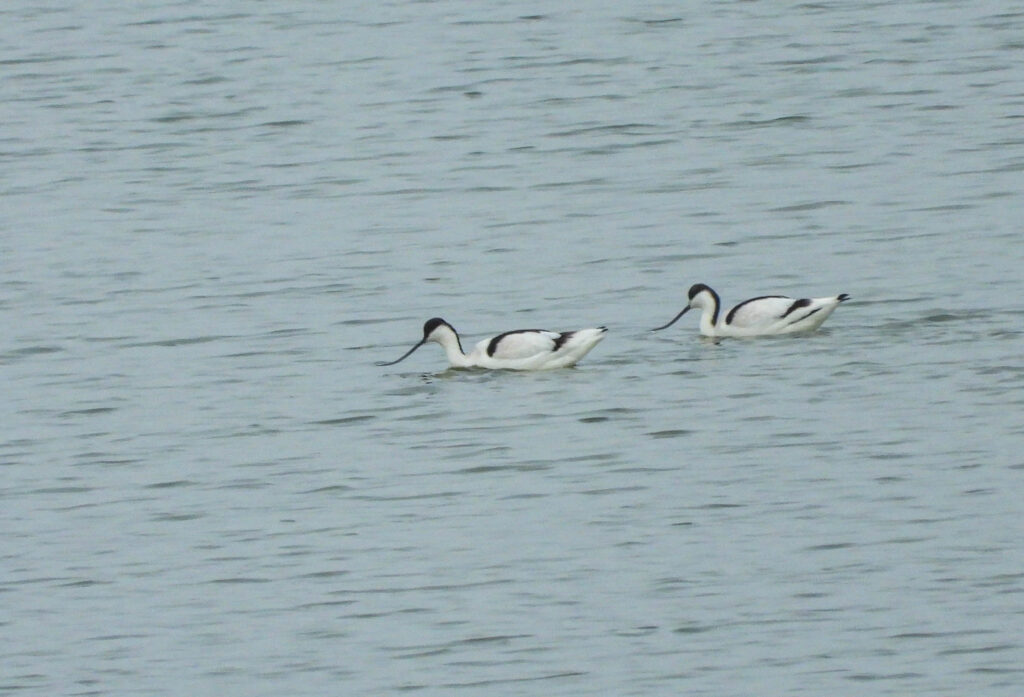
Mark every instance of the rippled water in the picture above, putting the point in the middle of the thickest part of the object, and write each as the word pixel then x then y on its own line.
pixel 213 222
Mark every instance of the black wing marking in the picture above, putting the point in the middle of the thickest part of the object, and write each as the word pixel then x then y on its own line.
pixel 562 338
pixel 802 302
pixel 493 345
pixel 732 313
pixel 801 319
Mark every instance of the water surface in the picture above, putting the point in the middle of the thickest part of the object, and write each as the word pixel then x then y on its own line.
pixel 214 221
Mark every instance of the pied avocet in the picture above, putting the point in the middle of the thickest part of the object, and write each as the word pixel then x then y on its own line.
pixel 521 349
pixel 761 316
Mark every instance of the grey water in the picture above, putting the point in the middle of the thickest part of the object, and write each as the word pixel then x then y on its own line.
pixel 216 217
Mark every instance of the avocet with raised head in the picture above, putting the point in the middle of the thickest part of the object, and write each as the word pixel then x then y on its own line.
pixel 521 349
pixel 762 316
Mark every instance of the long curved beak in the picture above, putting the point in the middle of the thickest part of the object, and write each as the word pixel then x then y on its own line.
pixel 665 326
pixel 406 355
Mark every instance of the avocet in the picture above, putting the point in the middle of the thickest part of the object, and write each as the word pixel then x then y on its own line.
pixel 762 316
pixel 521 349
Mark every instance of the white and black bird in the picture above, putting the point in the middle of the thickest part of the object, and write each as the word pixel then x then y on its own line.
pixel 762 316
pixel 521 349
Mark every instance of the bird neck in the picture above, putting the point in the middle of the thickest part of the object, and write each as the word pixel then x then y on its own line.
pixel 709 317
pixel 453 350
pixel 707 323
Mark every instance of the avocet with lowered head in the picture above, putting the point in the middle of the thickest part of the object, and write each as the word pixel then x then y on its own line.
pixel 762 316
pixel 521 349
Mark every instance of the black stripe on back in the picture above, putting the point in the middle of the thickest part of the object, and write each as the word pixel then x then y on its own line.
pixel 493 345
pixel 732 313
pixel 802 302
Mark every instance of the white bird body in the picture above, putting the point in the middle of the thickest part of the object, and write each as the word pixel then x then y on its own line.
pixel 521 349
pixel 762 316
